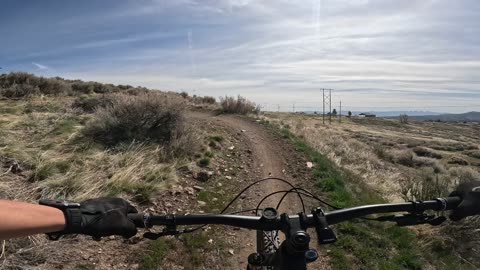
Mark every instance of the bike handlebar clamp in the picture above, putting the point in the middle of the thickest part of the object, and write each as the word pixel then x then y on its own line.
pixel 324 233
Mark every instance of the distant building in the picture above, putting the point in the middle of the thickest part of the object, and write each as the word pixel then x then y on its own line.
pixel 370 115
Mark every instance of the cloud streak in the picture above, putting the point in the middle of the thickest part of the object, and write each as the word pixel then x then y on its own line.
pixel 374 53
pixel 39 66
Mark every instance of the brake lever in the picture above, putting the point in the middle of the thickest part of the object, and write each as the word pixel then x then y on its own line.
pixel 413 219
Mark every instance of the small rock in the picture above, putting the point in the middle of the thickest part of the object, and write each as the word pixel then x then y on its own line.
pixel 135 266
pixel 226 170
pixel 228 177
pixel 231 147
pixel 219 185
pixel 231 251
pixel 210 241
pixel 214 199
pixel 168 205
pixel 201 203
pixel 243 130
pixel 189 190
pixel 309 164
pixel 243 196
pixel 198 188
pixel 176 190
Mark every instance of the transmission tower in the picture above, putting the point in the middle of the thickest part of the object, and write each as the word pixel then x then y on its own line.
pixel 327 104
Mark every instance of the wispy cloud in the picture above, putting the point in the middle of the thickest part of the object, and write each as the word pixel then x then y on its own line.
pixel 374 53
pixel 39 66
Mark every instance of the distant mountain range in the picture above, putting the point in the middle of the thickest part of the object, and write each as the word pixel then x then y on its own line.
pixel 397 113
pixel 387 113
pixel 461 117
pixel 423 115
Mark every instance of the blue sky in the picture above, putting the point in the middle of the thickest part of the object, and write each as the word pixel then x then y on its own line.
pixel 379 55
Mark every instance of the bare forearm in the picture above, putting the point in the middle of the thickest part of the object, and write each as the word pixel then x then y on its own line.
pixel 21 219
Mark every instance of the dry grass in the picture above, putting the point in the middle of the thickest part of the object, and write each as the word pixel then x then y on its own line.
pixel 44 136
pixel 59 163
pixel 137 173
pixel 403 162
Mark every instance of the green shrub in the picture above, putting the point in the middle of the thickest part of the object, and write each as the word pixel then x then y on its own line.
pixel 146 117
pixel 204 162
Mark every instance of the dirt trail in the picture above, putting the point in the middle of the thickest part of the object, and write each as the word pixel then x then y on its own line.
pixel 271 157
pixel 270 161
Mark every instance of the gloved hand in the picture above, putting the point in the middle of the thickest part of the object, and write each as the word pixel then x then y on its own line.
pixel 97 217
pixel 470 205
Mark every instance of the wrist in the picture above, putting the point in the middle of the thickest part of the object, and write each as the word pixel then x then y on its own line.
pixel 72 217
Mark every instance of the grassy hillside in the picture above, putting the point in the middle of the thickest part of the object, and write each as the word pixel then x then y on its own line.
pixel 63 139
pixel 362 161
pixel 462 117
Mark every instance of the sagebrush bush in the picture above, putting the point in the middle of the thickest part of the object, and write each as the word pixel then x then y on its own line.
pixel 403 156
pixel 147 117
pixel 90 104
pixel 425 152
pixel 426 185
pixel 239 105
pixel 19 90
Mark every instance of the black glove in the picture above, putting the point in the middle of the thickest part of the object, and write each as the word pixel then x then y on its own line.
pixel 96 217
pixel 470 205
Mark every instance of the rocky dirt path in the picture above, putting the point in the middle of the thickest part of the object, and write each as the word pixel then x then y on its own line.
pixel 271 156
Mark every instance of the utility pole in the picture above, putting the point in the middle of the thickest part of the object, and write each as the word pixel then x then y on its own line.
pixel 278 107
pixel 340 115
pixel 330 106
pixel 293 107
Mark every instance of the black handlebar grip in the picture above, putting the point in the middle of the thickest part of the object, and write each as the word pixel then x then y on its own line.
pixel 137 219
pixel 452 202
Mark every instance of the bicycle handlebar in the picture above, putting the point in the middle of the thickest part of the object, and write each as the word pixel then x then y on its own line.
pixel 333 217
